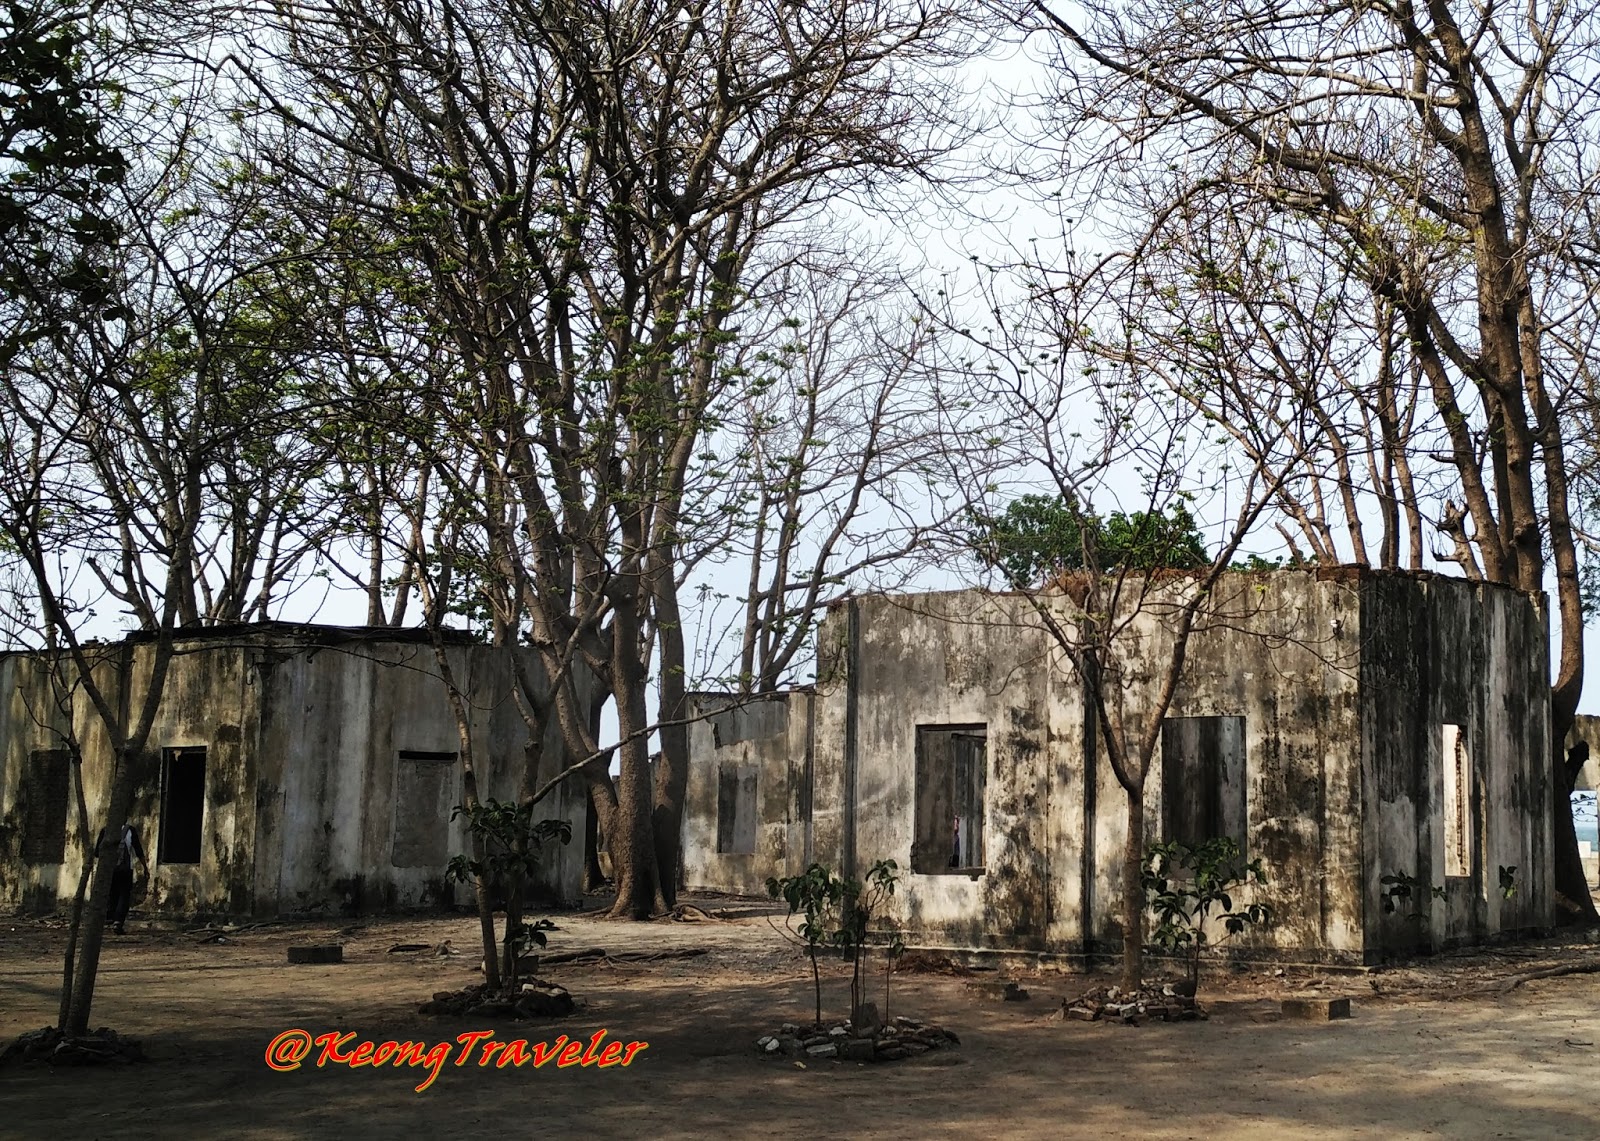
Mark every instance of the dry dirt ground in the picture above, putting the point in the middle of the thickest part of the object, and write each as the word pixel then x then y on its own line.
pixel 1440 1050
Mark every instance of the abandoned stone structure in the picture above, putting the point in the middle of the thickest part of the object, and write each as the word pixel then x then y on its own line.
pixel 292 769
pixel 1343 725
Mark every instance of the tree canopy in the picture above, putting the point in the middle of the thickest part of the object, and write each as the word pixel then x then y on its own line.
pixel 1039 536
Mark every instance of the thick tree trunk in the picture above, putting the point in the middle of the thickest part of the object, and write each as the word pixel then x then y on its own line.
pixel 1574 903
pixel 1133 894
pixel 629 835
pixel 630 843
pixel 672 771
pixel 1574 906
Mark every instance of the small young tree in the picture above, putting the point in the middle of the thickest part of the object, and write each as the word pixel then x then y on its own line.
pixel 815 892
pixel 1119 594
pixel 1188 886
pixel 861 902
pixel 509 842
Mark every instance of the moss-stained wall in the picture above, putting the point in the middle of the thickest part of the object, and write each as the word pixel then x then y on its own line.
pixel 767 736
pixel 1441 651
pixel 1342 680
pixel 302 732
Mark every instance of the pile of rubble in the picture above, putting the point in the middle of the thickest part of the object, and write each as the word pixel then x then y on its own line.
pixel 901 1038
pixel 537 999
pixel 1113 1004
pixel 54 1048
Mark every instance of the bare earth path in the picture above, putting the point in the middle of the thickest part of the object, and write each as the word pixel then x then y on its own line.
pixel 1431 1052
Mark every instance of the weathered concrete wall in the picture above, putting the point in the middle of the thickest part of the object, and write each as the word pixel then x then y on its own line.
pixel 1330 688
pixel 205 704
pixel 958 659
pixel 1280 651
pixel 1445 652
pixel 358 825
pixel 306 791
pixel 1335 684
pixel 32 722
pixel 1054 836
pixel 767 739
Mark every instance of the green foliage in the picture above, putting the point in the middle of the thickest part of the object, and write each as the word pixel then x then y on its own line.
pixel 1037 537
pixel 814 892
pixel 860 903
pixel 57 173
pixel 1402 887
pixel 512 841
pixel 1185 886
pixel 838 912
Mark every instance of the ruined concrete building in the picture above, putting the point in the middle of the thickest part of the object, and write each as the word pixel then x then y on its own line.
pixel 1343 725
pixel 292 769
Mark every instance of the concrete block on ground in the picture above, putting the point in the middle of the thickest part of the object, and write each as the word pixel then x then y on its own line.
pixel 325 953
pixel 1316 1009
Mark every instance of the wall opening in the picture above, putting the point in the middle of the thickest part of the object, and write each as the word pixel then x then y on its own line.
pixel 750 721
pixel 424 794
pixel 736 810
pixel 1457 802
pixel 183 805
pixel 952 772
pixel 44 806
pixel 1203 780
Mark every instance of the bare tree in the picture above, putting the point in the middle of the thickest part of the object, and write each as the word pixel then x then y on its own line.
pixel 833 471
pixel 581 189
pixel 1436 158
pixel 127 433
pixel 1091 430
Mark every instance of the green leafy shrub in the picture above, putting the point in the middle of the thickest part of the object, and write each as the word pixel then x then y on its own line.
pixel 1186 887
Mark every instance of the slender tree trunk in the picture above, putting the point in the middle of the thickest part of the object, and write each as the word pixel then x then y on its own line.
pixel 1133 894
pixel 629 835
pixel 89 853
pixel 469 799
pixel 94 920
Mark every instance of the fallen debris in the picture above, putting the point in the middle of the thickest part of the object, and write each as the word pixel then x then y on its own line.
pixel 1000 990
pixel 689 913
pixel 930 963
pixel 1113 1004
pixel 601 955
pixel 537 999
pixel 901 1038
pixel 398 948
pixel 1587 967
pixel 53 1048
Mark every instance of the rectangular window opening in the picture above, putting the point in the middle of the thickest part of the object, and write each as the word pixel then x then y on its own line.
pixel 1457 802
pixel 1203 780
pixel 736 810
pixel 424 795
pixel 183 805
pixel 952 770
pixel 43 806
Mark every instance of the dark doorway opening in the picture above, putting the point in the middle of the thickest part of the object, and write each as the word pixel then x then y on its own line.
pixel 183 805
